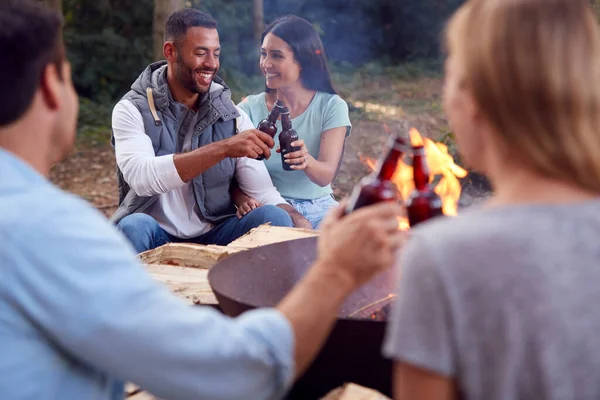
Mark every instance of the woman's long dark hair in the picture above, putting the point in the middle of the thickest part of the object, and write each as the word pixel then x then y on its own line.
pixel 308 50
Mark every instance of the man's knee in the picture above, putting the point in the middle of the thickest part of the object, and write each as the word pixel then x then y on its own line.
pixel 273 214
pixel 142 231
pixel 137 224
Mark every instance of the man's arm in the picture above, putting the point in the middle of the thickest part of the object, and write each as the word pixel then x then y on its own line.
pixel 250 143
pixel 148 174
pixel 90 296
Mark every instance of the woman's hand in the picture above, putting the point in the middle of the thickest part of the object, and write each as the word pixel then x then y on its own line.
pixel 247 205
pixel 299 159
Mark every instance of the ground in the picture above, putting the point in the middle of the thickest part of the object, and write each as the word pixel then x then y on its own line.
pixel 375 100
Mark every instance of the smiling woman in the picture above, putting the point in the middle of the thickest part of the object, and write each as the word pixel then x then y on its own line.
pixel 293 61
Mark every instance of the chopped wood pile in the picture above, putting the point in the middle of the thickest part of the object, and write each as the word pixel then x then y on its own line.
pixel 350 391
pixel 183 267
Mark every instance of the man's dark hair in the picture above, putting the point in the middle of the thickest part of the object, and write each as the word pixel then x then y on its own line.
pixel 30 39
pixel 180 21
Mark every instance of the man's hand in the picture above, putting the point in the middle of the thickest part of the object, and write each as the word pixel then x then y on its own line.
pixel 297 219
pixel 361 244
pixel 250 143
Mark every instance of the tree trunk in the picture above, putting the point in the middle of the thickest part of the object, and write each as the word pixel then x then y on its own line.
pixel 162 10
pixel 259 20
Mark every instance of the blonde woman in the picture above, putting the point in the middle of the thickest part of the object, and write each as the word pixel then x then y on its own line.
pixel 502 302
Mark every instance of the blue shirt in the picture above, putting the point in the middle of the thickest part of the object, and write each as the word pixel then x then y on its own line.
pixel 326 111
pixel 79 315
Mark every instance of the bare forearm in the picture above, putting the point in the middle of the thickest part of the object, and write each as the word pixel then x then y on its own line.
pixel 320 172
pixel 297 219
pixel 190 165
pixel 311 313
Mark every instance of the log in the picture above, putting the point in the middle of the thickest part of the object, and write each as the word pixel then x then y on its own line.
pixel 267 234
pixel 352 391
pixel 189 284
pixel 186 255
pixel 183 267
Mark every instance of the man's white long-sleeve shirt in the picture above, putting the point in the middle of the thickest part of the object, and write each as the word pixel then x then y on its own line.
pixel 148 175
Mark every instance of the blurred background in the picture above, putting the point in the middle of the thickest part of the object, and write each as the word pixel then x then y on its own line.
pixel 385 56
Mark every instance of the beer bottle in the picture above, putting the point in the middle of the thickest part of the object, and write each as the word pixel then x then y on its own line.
pixel 268 125
pixel 378 186
pixel 287 136
pixel 423 203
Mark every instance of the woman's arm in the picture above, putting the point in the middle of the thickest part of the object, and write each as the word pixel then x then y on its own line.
pixel 321 170
pixel 415 383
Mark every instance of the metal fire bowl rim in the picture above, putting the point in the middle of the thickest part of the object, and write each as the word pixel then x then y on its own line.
pixel 354 320
pixel 250 256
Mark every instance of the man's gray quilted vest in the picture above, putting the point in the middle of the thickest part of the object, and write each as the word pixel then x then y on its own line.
pixel 211 188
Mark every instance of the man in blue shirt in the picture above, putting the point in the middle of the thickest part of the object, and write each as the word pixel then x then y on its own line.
pixel 78 313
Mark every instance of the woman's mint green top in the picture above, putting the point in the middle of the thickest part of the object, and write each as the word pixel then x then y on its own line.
pixel 326 111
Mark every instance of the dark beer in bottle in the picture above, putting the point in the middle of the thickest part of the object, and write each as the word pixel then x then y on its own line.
pixel 378 186
pixel 268 125
pixel 287 136
pixel 423 203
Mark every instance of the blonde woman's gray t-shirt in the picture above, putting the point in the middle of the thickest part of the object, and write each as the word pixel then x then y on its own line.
pixel 504 301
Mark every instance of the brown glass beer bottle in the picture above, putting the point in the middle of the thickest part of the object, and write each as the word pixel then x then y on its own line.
pixel 287 136
pixel 423 203
pixel 268 125
pixel 378 186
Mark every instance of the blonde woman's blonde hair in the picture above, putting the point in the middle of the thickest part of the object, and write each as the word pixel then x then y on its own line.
pixel 533 66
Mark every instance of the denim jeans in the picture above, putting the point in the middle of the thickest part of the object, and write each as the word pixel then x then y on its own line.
pixel 314 210
pixel 144 233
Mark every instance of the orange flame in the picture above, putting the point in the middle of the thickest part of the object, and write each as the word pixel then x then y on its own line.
pixel 440 164
pixel 415 137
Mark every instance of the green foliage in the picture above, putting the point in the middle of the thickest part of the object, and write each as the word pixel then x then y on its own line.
pixel 109 43
pixel 596 7
pixel 239 52
pixel 94 121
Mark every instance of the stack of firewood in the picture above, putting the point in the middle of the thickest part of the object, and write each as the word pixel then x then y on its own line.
pixel 349 391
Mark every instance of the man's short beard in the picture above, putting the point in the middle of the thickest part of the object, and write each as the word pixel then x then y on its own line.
pixel 185 76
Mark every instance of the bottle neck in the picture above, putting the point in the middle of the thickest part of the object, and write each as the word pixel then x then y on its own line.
pixel 420 168
pixel 286 123
pixel 390 162
pixel 273 115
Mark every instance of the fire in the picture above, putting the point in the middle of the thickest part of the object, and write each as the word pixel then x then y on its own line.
pixel 415 137
pixel 440 164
